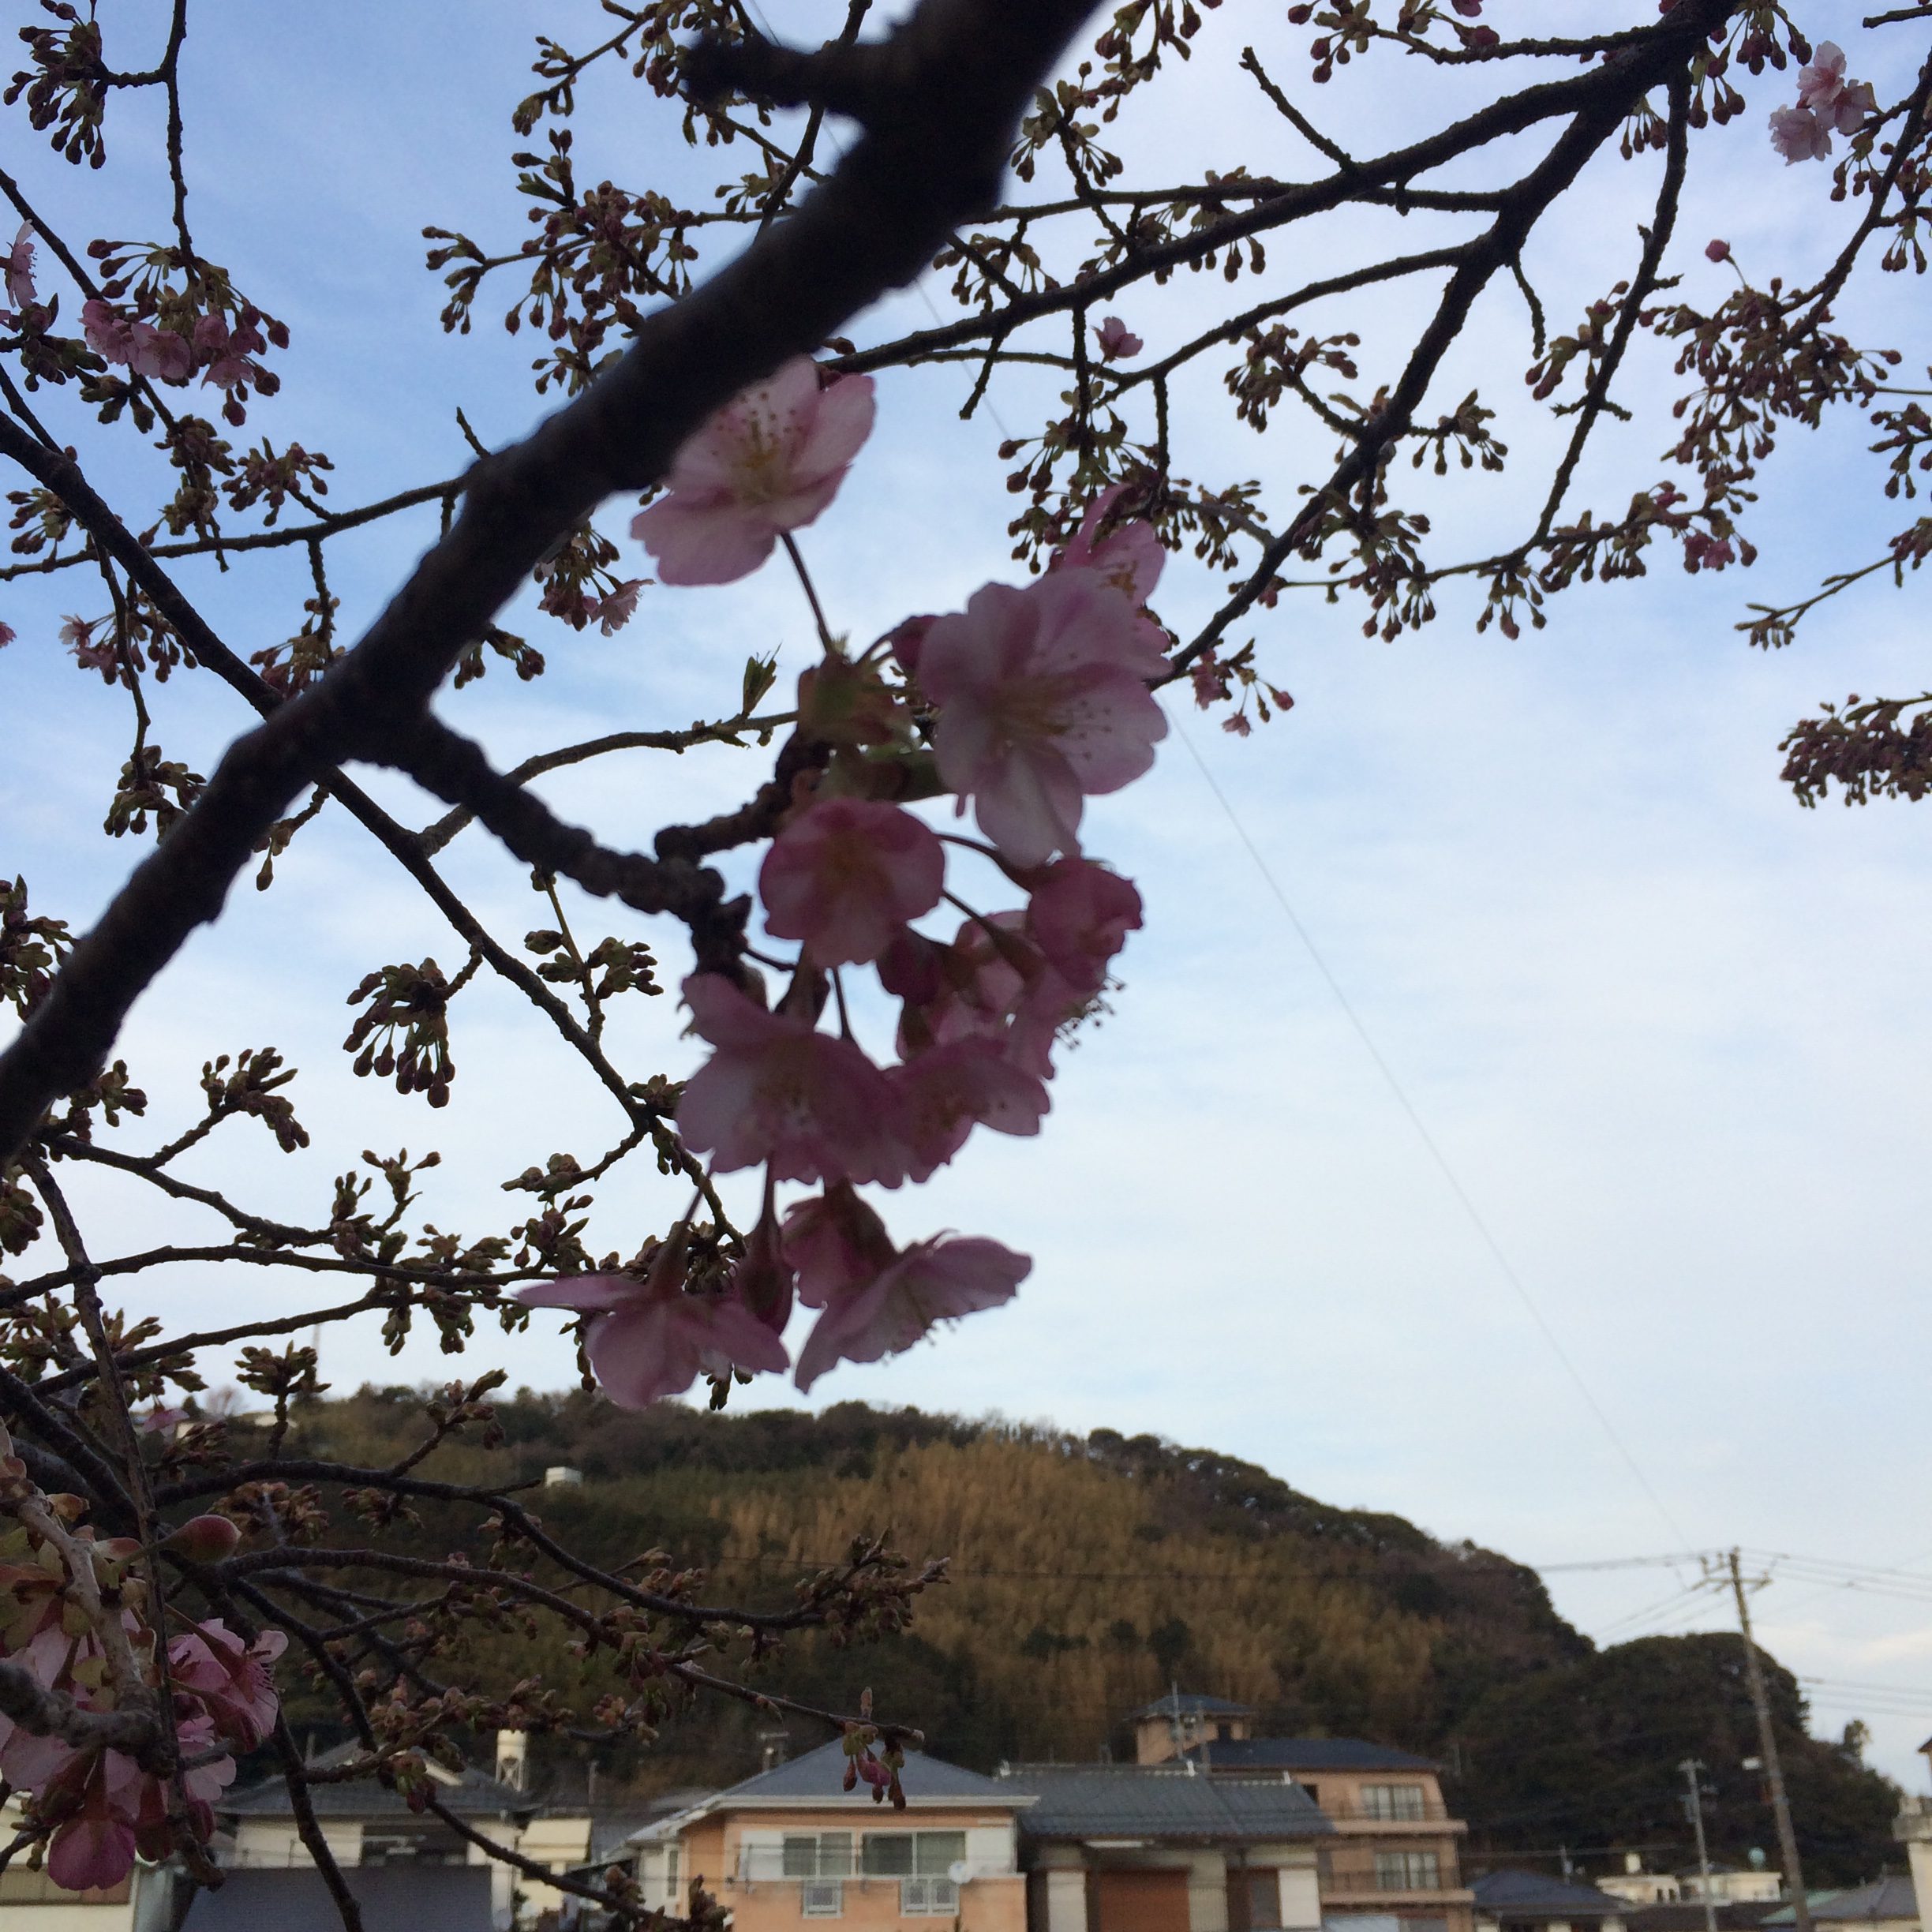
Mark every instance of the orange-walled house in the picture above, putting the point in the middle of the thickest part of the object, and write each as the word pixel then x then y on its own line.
pixel 789 1847
pixel 1040 1848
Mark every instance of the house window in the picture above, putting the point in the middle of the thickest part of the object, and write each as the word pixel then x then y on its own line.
pixel 671 1876
pixel 1394 1802
pixel 1407 1871
pixel 822 1898
pixel 818 1854
pixel 924 1898
pixel 909 1855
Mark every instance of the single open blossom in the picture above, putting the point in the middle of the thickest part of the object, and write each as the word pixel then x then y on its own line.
pixel 777 1090
pixel 1118 340
pixel 1043 699
pixel 945 1094
pixel 612 612
pixel 932 1281
pixel 1798 135
pixel 1080 917
pixel 648 1338
pixel 768 461
pixel 19 269
pixel 847 874
pixel 231 1678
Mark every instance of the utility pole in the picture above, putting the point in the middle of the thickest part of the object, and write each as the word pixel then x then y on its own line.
pixel 1694 1805
pixel 1774 1772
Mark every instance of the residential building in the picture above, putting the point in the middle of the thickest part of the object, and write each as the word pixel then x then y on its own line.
pixel 1181 1720
pixel 365 1825
pixel 1635 1886
pixel 790 1845
pixel 1729 1885
pixel 1394 1860
pixel 1038 1848
pixel 1523 1901
pixel 1167 1849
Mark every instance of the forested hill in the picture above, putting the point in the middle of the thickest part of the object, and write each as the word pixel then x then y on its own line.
pixel 1088 1573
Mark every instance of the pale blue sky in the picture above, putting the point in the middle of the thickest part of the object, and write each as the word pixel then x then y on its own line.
pixel 1668 1029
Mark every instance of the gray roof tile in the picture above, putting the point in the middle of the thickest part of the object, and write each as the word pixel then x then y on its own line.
pixel 1156 1802
pixel 818 1776
pixel 1534 1895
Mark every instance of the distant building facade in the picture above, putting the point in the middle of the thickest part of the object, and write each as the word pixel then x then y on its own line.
pixel 1392 1864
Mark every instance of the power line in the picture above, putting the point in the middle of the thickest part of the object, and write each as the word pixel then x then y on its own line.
pixel 1428 1140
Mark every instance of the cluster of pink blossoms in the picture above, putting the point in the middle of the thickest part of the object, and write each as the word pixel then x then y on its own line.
pixel 1023 705
pixel 103 1806
pixel 1827 104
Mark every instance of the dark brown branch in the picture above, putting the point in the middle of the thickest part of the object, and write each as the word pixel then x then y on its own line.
pixel 53 1713
pixel 433 837
pixel 1633 75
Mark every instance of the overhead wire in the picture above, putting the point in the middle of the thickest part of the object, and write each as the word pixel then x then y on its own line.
pixel 1504 1264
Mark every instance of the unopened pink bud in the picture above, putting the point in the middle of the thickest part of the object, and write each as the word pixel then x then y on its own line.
pixel 203 1539
pixel 1718 251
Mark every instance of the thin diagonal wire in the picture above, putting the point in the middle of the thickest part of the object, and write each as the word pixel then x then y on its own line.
pixel 1436 1154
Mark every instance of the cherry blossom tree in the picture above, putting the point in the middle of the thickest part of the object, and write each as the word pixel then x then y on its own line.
pixel 160 1577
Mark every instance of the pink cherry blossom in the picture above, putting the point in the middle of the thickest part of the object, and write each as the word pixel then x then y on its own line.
pixel 1000 989
pixel 1820 84
pixel 1043 700
pixel 777 1090
pixel 1798 135
pixel 18 271
pixel 612 612
pixel 1718 251
pixel 1081 915
pixel 837 1245
pixel 846 875
pixel 932 1281
pixel 767 463
pixel 7 635
pixel 966 1082
pixel 1129 556
pixel 648 1338
pixel 231 1678
pixel 1118 340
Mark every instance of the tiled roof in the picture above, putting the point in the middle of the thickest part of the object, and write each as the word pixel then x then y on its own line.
pixel 474 1795
pixel 424 1898
pixel 1886 1898
pixel 818 1777
pixel 1087 1801
pixel 1533 1895
pixel 1305 1755
pixel 1191 1704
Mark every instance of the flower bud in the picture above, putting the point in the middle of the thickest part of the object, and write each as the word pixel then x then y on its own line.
pixel 203 1539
